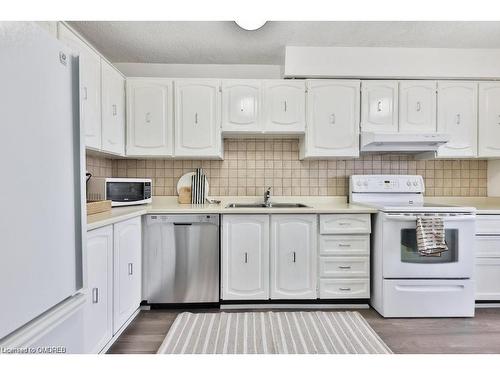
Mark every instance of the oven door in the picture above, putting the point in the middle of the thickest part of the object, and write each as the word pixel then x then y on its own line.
pixel 127 192
pixel 401 258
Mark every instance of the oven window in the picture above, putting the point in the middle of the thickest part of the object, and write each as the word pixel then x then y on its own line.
pixel 125 191
pixel 410 254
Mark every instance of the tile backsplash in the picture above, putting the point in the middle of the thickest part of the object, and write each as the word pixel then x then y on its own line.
pixel 250 165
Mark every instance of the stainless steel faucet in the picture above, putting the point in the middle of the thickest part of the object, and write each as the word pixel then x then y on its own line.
pixel 267 197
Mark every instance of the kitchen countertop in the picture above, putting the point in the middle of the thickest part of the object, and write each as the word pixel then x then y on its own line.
pixel 169 205
pixel 483 205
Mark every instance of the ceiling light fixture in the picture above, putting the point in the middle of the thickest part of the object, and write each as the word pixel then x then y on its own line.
pixel 250 24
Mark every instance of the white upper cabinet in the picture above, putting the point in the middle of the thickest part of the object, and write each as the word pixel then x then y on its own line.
pixel 245 257
pixel 98 316
pixel 417 106
pixel 332 119
pixel 284 106
pixel 457 116
pixel 149 117
pixel 113 109
pixel 90 86
pixel 198 119
pixel 379 101
pixel 489 119
pixel 293 256
pixel 241 106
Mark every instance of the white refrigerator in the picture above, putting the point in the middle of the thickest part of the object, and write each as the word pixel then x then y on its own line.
pixel 41 191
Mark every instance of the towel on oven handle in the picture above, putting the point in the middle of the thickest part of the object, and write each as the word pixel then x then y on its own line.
pixel 430 236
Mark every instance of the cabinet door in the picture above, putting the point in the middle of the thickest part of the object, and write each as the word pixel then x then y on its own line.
pixel 241 106
pixel 197 119
pixel 245 257
pixel 487 275
pixel 457 116
pixel 149 117
pixel 127 270
pixel 489 119
pixel 293 256
pixel 113 109
pixel 98 316
pixel 379 112
pixel 332 119
pixel 417 106
pixel 90 86
pixel 284 104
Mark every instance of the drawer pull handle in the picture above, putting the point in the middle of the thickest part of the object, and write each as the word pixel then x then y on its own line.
pixel 343 223
pixel 294 257
pixel 130 269
pixel 95 295
pixel 246 257
pixel 344 245
pixel 345 267
pixel 345 289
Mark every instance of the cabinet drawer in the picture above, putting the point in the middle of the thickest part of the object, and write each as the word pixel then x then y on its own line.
pixel 488 224
pixel 344 288
pixel 487 246
pixel 344 245
pixel 487 275
pixel 345 223
pixel 344 266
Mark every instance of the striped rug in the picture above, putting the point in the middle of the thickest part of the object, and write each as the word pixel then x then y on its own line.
pixel 306 332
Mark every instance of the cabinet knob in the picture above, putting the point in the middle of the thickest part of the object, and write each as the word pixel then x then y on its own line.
pixel 379 106
pixel 95 295
pixel 458 118
pixel 419 106
pixel 345 267
pixel 114 109
pixel 85 93
pixel 196 118
pixel 246 257
pixel 345 289
pixel 130 268
pixel 294 256
pixel 332 119
pixel 284 105
pixel 148 117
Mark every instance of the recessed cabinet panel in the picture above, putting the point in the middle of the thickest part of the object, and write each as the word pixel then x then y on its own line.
pixel 333 119
pixel 457 116
pixel 197 119
pixel 113 109
pixel 293 256
pixel 284 106
pixel 417 106
pixel 489 119
pixel 245 257
pixel 487 277
pixel 241 106
pixel 149 117
pixel 127 270
pixel 98 315
pixel 379 111
pixel 90 86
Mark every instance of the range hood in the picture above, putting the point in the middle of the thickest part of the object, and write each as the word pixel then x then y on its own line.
pixel 402 142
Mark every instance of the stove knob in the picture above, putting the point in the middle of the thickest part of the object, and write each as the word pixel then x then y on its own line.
pixel 415 183
pixel 358 183
pixel 365 183
pixel 408 183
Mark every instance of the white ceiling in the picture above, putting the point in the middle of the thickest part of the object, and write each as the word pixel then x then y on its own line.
pixel 223 42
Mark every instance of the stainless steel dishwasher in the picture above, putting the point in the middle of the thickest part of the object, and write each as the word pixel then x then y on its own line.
pixel 181 259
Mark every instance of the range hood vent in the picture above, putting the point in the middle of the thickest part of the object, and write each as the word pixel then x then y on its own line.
pixel 401 142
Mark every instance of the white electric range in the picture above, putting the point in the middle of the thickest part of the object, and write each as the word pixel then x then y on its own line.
pixel 405 283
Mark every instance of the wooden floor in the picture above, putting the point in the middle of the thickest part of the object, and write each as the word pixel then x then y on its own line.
pixel 444 335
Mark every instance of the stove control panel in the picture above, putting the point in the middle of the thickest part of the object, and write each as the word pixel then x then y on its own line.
pixel 387 184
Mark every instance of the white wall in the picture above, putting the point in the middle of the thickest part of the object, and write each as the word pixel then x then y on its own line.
pixel 199 70
pixel 494 178
pixel 383 62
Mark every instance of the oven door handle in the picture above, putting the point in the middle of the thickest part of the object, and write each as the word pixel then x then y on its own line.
pixel 445 218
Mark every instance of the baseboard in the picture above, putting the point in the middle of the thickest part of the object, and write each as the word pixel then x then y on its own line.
pixel 120 331
pixel 487 305
pixel 296 306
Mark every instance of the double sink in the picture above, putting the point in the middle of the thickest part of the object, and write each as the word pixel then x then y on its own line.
pixel 263 205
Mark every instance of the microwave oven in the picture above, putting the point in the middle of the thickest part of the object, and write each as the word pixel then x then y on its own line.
pixel 120 191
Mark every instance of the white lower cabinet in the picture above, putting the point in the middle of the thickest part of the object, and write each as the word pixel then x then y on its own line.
pixel 293 256
pixel 127 270
pixel 245 257
pixel 98 313
pixel 487 264
pixel 344 261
